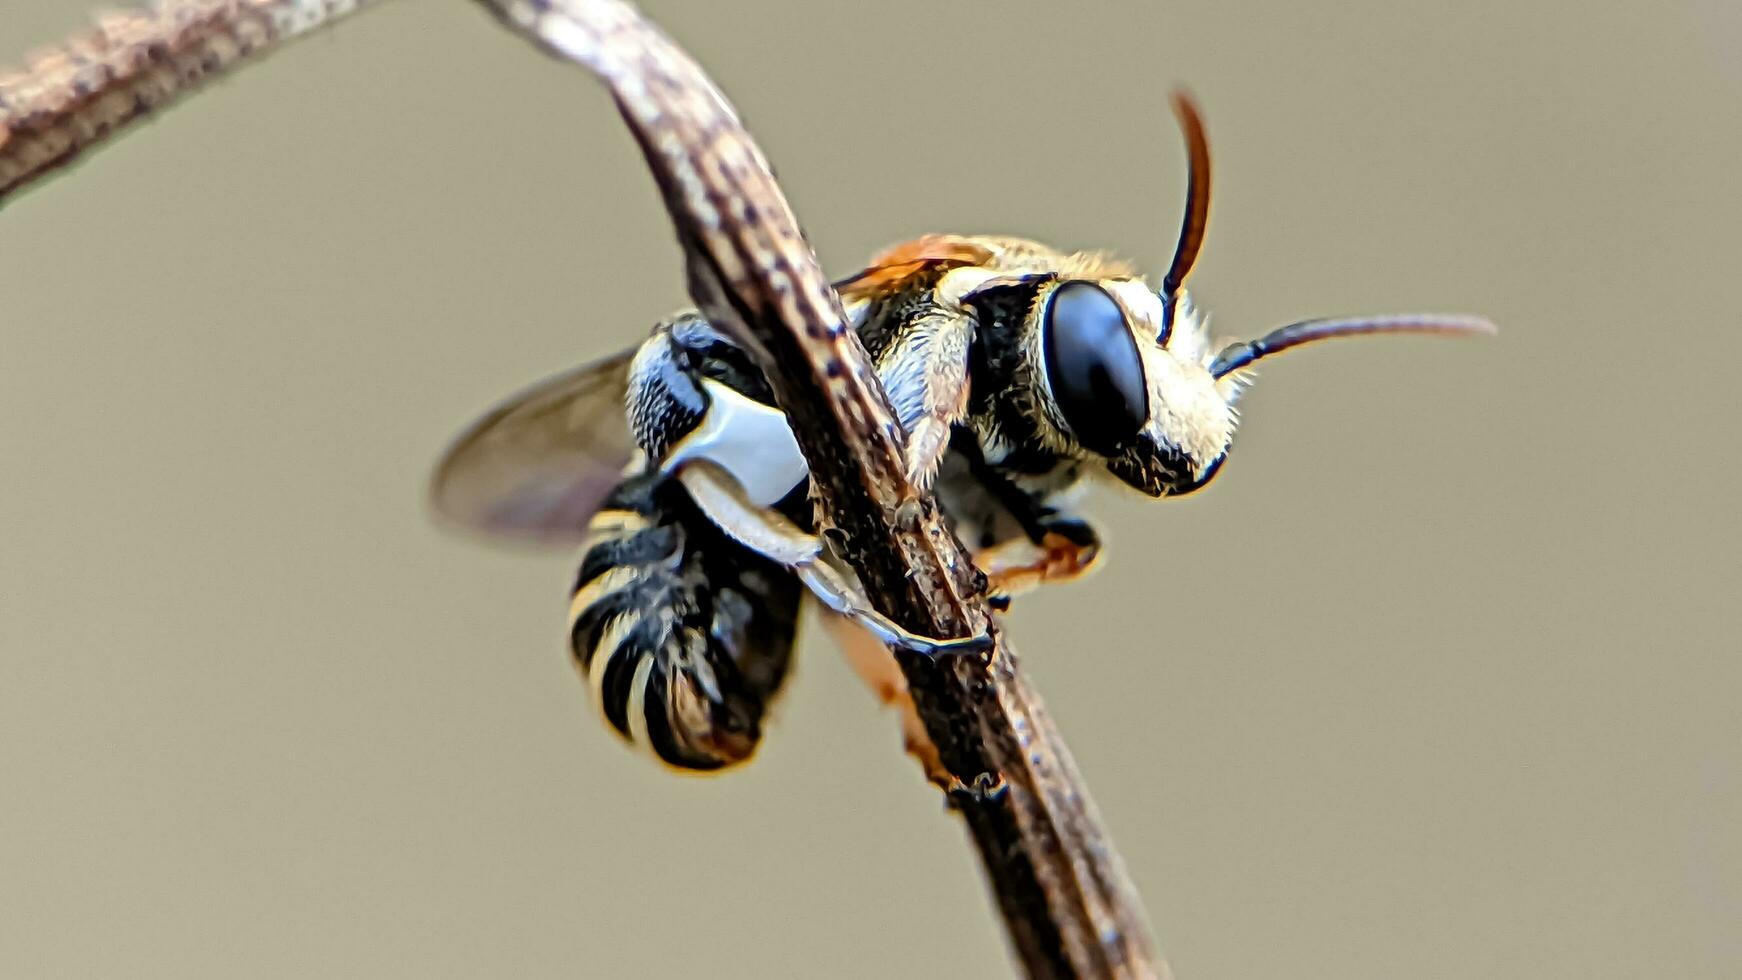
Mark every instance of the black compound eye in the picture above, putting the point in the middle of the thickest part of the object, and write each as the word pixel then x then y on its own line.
pixel 1094 367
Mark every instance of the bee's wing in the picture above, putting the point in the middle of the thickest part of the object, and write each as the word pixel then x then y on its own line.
pixel 895 265
pixel 540 464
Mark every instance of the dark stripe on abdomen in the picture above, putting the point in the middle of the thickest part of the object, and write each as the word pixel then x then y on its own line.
pixel 683 634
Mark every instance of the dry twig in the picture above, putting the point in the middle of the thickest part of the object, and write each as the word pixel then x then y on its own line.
pixel 1062 888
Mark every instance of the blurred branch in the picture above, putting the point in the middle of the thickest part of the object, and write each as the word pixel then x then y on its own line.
pixel 1066 900
pixel 76 95
pixel 1063 890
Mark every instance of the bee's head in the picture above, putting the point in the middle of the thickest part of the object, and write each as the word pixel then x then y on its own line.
pixel 1125 394
pixel 1132 377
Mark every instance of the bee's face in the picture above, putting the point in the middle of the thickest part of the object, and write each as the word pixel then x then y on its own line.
pixel 1121 388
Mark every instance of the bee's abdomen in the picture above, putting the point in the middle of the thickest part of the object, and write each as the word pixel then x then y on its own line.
pixel 683 634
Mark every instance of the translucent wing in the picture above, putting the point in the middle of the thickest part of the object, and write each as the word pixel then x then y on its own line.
pixel 540 464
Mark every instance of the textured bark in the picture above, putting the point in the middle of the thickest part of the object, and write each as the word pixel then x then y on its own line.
pixel 1062 889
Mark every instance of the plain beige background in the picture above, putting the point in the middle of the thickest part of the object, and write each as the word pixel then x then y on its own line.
pixel 1439 679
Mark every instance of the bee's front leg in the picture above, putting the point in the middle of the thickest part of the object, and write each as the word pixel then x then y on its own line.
pixel 1062 548
pixel 925 372
pixel 925 367
pixel 1047 542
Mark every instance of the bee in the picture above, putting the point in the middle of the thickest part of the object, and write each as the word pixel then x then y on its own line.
pixel 1018 372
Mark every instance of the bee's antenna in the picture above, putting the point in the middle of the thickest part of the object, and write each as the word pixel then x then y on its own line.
pixel 1236 356
pixel 1197 213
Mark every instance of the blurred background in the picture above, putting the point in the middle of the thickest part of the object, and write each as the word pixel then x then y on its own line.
pixel 1439 679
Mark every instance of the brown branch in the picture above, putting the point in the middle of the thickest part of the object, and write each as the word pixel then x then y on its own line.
pixel 1063 890
pixel 74 96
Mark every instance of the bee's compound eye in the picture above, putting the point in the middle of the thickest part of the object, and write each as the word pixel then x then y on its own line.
pixel 1093 366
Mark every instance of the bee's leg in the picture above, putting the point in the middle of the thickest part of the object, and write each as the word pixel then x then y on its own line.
pixel 925 368
pixel 1068 547
pixel 834 591
pixel 768 532
pixel 870 659
pixel 925 372
pixel 1047 543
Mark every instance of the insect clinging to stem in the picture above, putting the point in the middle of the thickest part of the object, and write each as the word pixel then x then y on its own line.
pixel 1017 371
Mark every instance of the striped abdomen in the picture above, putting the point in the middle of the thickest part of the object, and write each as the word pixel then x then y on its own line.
pixel 683 634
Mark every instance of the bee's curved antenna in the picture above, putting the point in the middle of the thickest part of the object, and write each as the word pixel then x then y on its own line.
pixel 1236 356
pixel 1197 212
